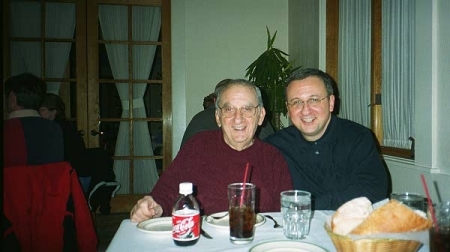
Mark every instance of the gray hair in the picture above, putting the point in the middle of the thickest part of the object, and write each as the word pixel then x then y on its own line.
pixel 237 82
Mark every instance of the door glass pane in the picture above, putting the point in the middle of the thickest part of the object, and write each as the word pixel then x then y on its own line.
pixel 144 59
pixel 104 67
pixel 110 105
pixel 59 20
pixel 25 19
pixel 108 136
pixel 113 61
pixel 113 22
pixel 145 169
pixel 26 57
pixel 153 100
pixel 137 103
pixel 56 59
pixel 156 72
pixel 156 133
pixel 146 23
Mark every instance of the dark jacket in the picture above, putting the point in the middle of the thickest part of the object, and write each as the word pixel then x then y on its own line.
pixel 75 148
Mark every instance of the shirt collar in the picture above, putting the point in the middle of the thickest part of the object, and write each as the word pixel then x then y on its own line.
pixel 24 113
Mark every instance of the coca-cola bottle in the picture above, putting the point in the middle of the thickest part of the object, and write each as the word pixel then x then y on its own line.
pixel 185 217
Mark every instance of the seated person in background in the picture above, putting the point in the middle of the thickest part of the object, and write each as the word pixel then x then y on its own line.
pixel 204 120
pixel 335 159
pixel 213 159
pixel 29 139
pixel 93 165
pixel 209 101
pixel 53 108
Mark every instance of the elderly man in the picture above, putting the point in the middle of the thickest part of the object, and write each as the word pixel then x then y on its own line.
pixel 213 159
pixel 204 120
pixel 333 158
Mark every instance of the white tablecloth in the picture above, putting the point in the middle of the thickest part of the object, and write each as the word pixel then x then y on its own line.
pixel 129 238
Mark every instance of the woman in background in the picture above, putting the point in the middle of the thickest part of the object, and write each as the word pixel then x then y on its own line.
pixel 53 108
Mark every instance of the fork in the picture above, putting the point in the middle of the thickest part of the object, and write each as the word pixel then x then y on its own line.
pixel 276 225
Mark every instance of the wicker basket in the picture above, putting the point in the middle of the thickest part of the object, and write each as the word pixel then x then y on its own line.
pixel 346 244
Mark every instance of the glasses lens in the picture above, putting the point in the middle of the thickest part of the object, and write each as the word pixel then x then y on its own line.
pixel 228 111
pixel 247 111
pixel 313 102
pixel 297 104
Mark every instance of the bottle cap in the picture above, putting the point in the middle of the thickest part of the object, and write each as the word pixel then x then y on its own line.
pixel 185 188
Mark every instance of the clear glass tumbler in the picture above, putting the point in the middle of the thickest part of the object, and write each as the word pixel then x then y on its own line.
pixel 413 200
pixel 296 213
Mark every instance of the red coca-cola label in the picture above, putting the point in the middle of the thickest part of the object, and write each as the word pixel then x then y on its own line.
pixel 185 227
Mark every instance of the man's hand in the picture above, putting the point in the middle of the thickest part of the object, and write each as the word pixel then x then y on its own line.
pixel 146 208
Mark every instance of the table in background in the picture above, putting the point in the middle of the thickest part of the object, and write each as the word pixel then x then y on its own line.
pixel 129 238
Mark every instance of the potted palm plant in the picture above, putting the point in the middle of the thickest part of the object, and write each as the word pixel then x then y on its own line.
pixel 269 72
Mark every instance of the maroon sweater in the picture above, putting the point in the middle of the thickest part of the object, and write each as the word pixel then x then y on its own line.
pixel 210 164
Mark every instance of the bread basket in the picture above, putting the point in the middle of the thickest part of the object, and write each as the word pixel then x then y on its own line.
pixel 347 244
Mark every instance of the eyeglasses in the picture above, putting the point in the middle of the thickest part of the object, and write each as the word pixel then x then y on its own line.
pixel 312 102
pixel 246 111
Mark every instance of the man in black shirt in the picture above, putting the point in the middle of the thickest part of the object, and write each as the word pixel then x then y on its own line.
pixel 334 159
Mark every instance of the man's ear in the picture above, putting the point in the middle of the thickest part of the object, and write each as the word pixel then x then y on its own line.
pixel 218 119
pixel 332 102
pixel 12 101
pixel 287 108
pixel 12 98
pixel 262 115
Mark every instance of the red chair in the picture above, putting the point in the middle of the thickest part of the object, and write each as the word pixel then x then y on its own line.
pixel 46 209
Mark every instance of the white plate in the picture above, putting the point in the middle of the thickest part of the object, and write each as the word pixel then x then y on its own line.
pixel 286 246
pixel 156 226
pixel 225 221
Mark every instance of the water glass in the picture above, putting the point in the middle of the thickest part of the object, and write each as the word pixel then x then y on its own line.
pixel 413 200
pixel 241 200
pixel 296 213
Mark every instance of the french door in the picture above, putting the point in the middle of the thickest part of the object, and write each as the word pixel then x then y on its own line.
pixel 115 78
pixel 129 91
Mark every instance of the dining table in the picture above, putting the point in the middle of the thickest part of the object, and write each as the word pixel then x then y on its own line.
pixel 129 237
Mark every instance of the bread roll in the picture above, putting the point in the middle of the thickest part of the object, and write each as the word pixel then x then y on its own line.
pixel 350 215
pixel 393 217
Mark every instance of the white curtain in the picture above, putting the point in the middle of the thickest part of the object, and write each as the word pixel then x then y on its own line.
pixel 398 72
pixel 146 23
pixel 26 23
pixel 60 24
pixel 354 60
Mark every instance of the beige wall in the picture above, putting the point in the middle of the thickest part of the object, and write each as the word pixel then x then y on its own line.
pixel 214 40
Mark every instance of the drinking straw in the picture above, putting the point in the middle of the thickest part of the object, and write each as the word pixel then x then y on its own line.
pixel 433 217
pixel 243 184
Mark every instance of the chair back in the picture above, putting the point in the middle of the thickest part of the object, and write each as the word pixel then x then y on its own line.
pixel 47 209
